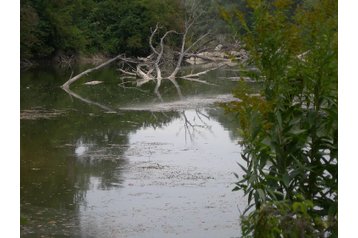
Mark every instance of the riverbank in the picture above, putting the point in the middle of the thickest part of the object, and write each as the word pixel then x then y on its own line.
pixel 230 54
pixel 64 60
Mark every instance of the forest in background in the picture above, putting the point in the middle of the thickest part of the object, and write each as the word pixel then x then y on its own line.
pixel 107 27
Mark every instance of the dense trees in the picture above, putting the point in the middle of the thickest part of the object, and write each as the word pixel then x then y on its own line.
pixel 109 27
pixel 71 27
pixel 51 27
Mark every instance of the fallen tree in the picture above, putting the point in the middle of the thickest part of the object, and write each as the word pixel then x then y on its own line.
pixel 78 76
pixel 142 70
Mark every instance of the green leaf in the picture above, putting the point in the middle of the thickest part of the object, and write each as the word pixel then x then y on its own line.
pixel 261 194
pixel 243 168
pixel 297 131
pixel 286 179
pixel 279 118
pixel 235 189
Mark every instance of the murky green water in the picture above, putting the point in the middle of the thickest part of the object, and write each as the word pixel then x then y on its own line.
pixel 119 162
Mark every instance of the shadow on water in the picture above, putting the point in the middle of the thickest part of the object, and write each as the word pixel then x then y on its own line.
pixel 73 152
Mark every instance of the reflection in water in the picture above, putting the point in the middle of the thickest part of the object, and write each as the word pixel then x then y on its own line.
pixel 136 174
pixel 80 148
pixel 172 186
pixel 71 93
pixel 192 128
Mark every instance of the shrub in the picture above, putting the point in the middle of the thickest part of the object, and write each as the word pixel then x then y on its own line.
pixel 290 132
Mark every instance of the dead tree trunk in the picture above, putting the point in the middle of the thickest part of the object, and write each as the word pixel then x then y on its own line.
pixel 78 76
pixel 152 68
pixel 153 62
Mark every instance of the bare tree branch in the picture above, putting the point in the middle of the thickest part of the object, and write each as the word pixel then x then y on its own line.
pixel 150 68
pixel 78 76
pixel 127 72
pixel 181 55
pixel 151 39
pixel 196 42
pixel 201 72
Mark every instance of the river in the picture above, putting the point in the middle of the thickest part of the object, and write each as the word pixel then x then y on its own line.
pixel 142 168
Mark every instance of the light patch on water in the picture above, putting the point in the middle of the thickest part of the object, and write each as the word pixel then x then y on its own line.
pixel 173 185
pixel 41 113
pixel 81 148
pixel 184 104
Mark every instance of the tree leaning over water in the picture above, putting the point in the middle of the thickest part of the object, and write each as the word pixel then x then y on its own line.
pixel 166 59
pixel 290 130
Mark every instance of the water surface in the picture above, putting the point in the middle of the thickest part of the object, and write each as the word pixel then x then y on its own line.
pixel 145 168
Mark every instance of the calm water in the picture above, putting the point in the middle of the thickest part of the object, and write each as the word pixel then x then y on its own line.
pixel 118 162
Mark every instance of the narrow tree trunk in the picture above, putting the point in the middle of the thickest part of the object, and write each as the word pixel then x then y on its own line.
pixel 78 76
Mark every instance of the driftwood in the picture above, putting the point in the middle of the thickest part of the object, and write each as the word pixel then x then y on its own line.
pixel 153 67
pixel 149 68
pixel 78 76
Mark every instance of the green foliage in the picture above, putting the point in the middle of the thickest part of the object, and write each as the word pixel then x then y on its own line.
pixel 109 27
pixel 90 26
pixel 284 219
pixel 53 30
pixel 290 132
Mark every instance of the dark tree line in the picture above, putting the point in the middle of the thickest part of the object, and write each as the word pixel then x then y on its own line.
pixel 85 27
pixel 71 27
